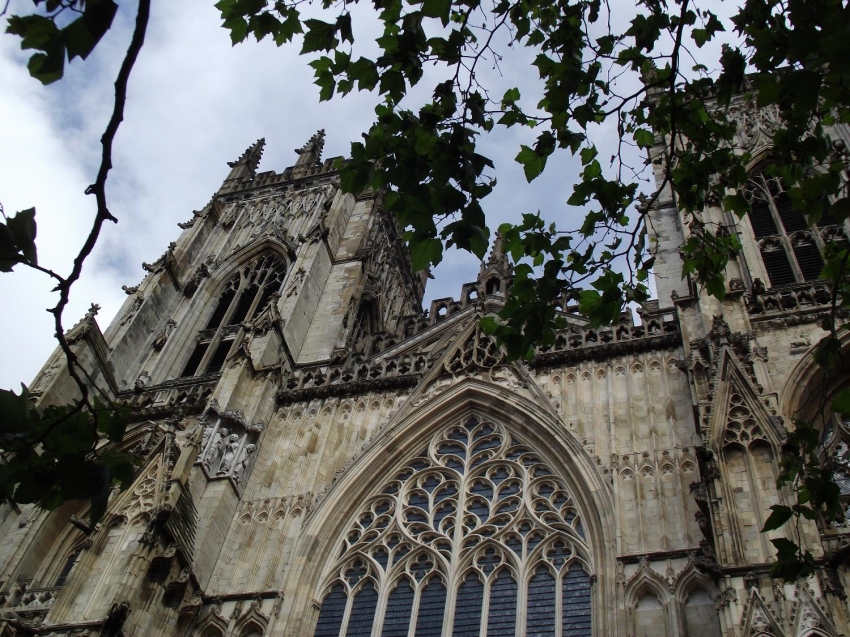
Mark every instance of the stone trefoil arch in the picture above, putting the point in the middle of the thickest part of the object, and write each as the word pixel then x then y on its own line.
pixel 474 535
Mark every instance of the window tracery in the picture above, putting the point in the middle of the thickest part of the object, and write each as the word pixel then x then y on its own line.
pixel 791 252
pixel 836 433
pixel 246 294
pixel 473 536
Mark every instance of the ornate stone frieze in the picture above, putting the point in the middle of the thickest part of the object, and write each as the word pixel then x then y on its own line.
pixel 795 299
pixel 228 446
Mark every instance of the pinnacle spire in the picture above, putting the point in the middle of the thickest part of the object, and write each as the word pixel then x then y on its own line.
pixel 498 259
pixel 311 152
pixel 250 159
pixel 495 273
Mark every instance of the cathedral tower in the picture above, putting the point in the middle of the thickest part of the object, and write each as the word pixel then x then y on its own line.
pixel 320 457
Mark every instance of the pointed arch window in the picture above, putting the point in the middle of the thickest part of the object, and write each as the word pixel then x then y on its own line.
pixel 246 294
pixel 790 251
pixel 474 536
pixel 836 455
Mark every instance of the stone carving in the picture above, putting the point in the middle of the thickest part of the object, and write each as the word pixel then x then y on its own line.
pixel 436 505
pixel 227 447
pixel 216 447
pixel 131 312
pixel 230 451
pixel 164 333
pixel 201 273
pixel 755 126
pixel 142 381
pixel 242 465
pixel 44 380
pixel 208 430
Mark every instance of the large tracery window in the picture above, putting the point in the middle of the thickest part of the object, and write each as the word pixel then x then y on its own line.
pixel 246 294
pixel 474 536
pixel 791 252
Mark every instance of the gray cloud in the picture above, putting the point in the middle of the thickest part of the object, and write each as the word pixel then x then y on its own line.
pixel 195 102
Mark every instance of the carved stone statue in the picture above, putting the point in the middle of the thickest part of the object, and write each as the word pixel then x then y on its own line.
pixel 244 458
pixel 206 438
pixel 229 454
pixel 165 332
pixel 142 382
pixel 197 278
pixel 216 447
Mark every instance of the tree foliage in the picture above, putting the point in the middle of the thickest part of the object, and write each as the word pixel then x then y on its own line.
pixel 791 55
pixel 426 159
pixel 62 453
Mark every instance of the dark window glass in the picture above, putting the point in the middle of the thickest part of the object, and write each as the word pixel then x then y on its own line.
pixel 224 302
pixel 237 304
pixel 432 605
pixel 778 268
pixel 826 219
pixel 245 302
pixel 69 565
pixel 792 220
pixel 809 260
pixel 576 599
pixel 769 202
pixel 540 620
pixel 363 611
pixel 195 359
pixel 333 609
pixel 761 219
pixel 399 607
pixel 468 607
pixel 217 361
pixel 501 618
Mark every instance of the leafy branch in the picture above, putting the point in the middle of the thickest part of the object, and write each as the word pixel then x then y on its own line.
pixel 55 455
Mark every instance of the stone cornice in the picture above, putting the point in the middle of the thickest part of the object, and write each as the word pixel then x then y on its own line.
pixel 606 350
pixel 285 397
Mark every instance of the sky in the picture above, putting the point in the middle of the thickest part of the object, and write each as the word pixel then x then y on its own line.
pixel 195 102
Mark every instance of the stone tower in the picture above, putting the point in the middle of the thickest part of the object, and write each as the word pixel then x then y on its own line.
pixel 320 457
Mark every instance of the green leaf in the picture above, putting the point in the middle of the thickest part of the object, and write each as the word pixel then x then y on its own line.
pixel 112 423
pixel 779 515
pixel 17 416
pixel 644 138
pixel 9 255
pixel 588 155
pixel 23 229
pixel 840 209
pixel 532 163
pixel 320 36
pixel 425 252
pixel 700 36
pixel 439 9
pixel 841 403
pixel 489 325
pixel 511 96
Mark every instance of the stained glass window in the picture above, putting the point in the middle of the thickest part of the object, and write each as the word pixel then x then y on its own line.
pixel 467 531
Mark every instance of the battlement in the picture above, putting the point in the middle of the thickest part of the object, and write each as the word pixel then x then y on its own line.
pixel 290 175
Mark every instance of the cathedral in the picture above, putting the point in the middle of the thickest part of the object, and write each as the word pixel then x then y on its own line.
pixel 318 457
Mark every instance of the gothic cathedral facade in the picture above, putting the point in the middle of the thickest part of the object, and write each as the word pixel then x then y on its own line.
pixel 319 458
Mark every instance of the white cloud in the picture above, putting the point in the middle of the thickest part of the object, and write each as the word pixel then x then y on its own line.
pixel 195 102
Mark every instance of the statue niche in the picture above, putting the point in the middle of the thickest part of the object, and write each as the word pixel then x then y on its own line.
pixel 228 446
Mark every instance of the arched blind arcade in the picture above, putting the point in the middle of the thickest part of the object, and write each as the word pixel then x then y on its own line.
pixel 474 536
pixel 246 294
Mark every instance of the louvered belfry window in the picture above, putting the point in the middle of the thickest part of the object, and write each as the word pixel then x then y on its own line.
pixel 246 294
pixel 474 536
pixel 791 252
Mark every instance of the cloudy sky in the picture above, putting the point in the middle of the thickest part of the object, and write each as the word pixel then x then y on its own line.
pixel 194 103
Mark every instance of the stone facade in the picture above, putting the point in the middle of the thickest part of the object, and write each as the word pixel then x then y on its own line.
pixel 320 457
